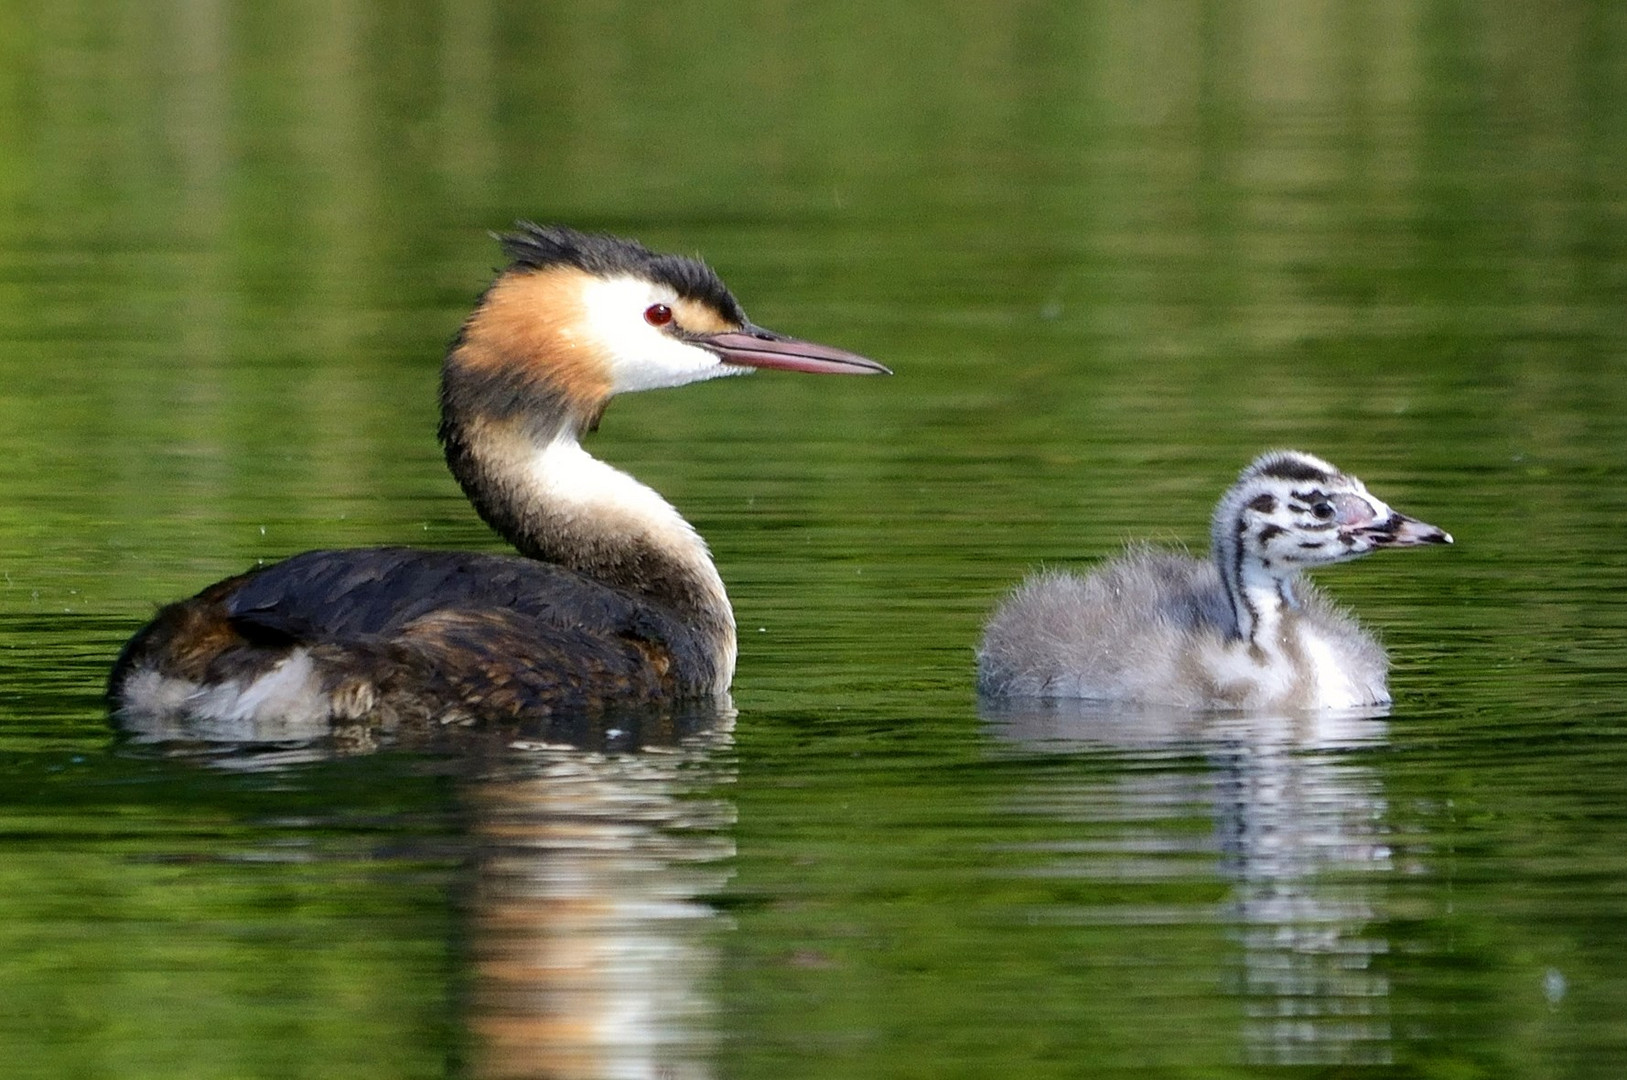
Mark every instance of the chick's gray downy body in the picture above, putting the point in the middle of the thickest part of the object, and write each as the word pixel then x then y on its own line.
pixel 1241 629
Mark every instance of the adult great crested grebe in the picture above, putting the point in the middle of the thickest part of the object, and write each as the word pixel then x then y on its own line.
pixel 613 598
pixel 1241 630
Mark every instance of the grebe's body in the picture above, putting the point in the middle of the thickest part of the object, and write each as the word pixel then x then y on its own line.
pixel 1241 630
pixel 615 600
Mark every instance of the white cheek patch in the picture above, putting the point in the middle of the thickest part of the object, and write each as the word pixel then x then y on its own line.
pixel 641 356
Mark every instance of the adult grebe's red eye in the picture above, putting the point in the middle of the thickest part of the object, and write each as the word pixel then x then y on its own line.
pixel 658 314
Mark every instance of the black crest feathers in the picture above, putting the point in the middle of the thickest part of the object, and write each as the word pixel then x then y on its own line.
pixel 538 247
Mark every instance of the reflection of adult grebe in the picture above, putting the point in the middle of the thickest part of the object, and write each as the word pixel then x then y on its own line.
pixel 617 599
pixel 1243 629
pixel 590 943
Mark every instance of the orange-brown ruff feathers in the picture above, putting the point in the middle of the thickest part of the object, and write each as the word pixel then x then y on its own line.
pixel 615 601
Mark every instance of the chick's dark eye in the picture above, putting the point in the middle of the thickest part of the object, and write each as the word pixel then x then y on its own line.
pixel 1322 510
pixel 658 314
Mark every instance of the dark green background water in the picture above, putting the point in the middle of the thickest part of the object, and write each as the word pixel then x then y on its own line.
pixel 1112 250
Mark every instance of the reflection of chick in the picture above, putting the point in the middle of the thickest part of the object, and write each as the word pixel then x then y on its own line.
pixel 1244 629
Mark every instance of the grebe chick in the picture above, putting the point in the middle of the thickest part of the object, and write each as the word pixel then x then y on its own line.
pixel 1242 630
pixel 615 600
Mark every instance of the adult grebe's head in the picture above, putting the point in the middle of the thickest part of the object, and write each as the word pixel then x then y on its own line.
pixel 577 318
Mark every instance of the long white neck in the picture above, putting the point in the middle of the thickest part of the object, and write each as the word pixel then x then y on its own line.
pixel 610 515
pixel 556 502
